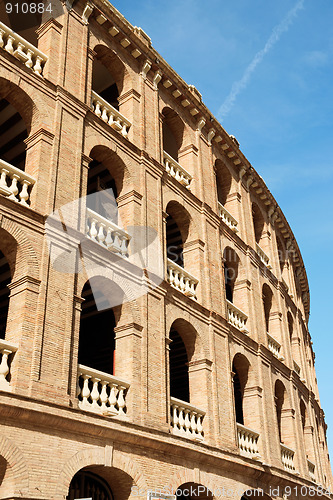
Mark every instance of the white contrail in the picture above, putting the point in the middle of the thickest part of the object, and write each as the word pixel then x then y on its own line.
pixel 242 83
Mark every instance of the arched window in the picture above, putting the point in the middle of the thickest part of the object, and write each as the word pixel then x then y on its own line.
pixel 179 378
pixel 240 369
pixel 103 186
pixel 88 485
pixel 5 278
pixel 290 324
pixel 282 253
pixel 173 132
pixel 258 222
pixel 279 395
pixel 191 491
pixel 97 337
pixel 303 414
pixel 109 75
pixel 231 268
pixel 174 242
pixel 267 298
pixel 13 132
pixel 223 181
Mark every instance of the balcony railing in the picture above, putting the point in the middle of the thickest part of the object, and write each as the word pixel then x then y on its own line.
pixel 20 48
pixel 106 233
pixel 186 420
pixel 181 279
pixel 236 317
pixel 109 114
pixel 15 183
pixel 227 218
pixel 263 256
pixel 312 468
pixel 274 346
pixel 287 457
pixel 6 349
pixel 248 442
pixel 177 171
pixel 100 392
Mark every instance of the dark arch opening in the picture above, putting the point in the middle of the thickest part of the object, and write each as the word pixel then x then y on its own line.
pixel 191 491
pixel 108 75
pixel 87 485
pixel 173 132
pixel 290 324
pixel 258 222
pixel 97 337
pixel 303 413
pixel 240 369
pixel 231 266
pixel 267 298
pixel 279 394
pixel 13 132
pixel 5 279
pixel 179 378
pixel 223 181
pixel 174 242
pixel 281 252
pixel 103 186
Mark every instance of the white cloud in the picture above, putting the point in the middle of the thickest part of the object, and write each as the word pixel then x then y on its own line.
pixel 275 36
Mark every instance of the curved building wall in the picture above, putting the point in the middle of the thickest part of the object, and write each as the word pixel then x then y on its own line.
pixel 227 321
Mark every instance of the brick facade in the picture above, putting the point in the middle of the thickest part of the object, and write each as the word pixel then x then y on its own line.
pixel 256 342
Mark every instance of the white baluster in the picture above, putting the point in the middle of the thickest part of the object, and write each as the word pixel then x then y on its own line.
pixel 175 419
pixel 109 239
pixel 194 423
pixel 93 230
pixel 85 393
pixel 9 45
pixel 167 165
pixel 13 187
pixel 121 400
pixel 98 111
pixel 104 396
pixel 38 68
pixel 199 426
pixel 29 61
pixel 95 392
pixel 187 422
pixel 24 195
pixel 111 119
pixel 104 115
pixel 181 418
pixel 124 130
pixel 3 183
pixel 113 397
pixel 101 235
pixel 2 42
pixel 4 367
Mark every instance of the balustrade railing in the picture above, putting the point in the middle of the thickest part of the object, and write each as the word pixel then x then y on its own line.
pixel 263 256
pixel 287 457
pixel 15 183
pixel 312 468
pixel 6 350
pixel 236 317
pixel 227 218
pixel 181 279
pixel 109 114
pixel 100 392
pixel 177 171
pixel 186 420
pixel 274 346
pixel 248 442
pixel 106 233
pixel 20 48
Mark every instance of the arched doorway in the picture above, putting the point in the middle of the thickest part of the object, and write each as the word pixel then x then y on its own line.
pixel 86 485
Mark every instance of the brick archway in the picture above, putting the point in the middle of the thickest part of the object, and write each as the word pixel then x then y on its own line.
pixel 16 478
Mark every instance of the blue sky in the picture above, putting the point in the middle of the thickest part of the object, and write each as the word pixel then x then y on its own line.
pixel 282 117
